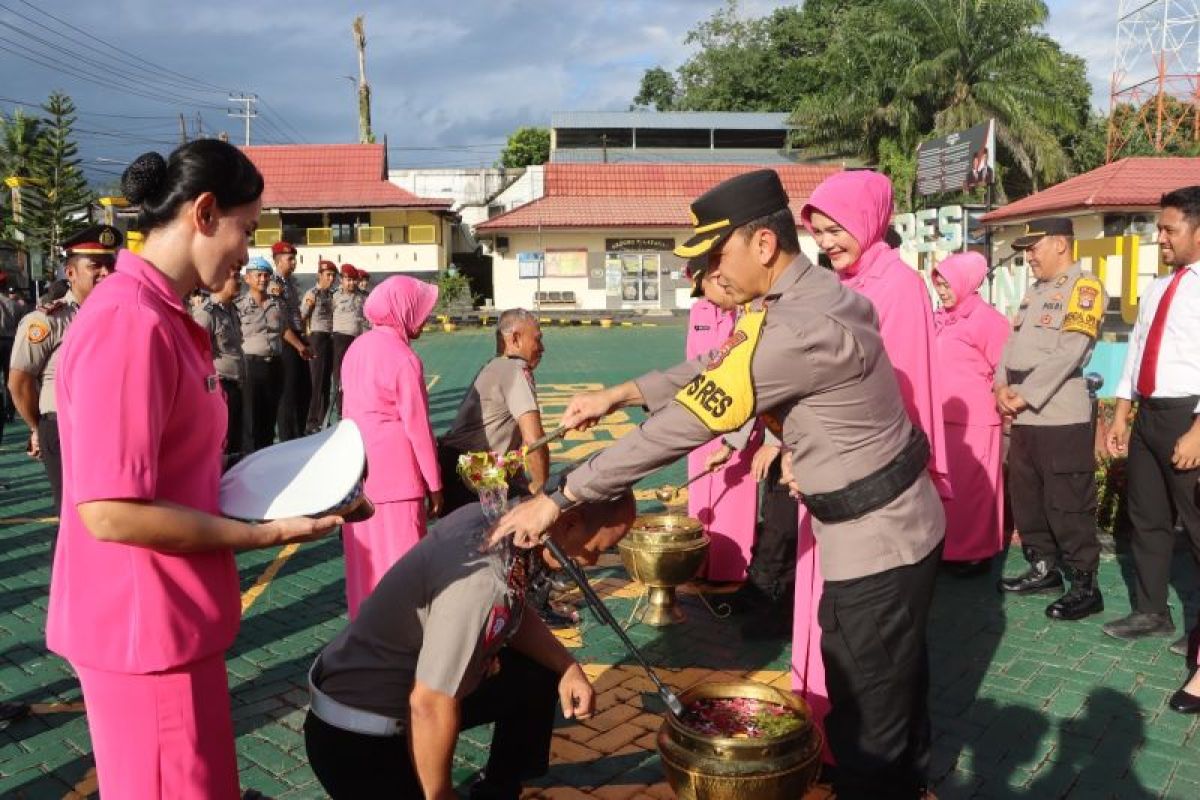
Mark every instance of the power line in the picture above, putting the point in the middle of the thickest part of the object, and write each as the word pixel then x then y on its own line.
pixel 245 114
pixel 268 107
pixel 124 51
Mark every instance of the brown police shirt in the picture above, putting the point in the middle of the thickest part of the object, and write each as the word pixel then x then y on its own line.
pixel 38 343
pixel 501 394
pixel 819 371
pixel 1054 331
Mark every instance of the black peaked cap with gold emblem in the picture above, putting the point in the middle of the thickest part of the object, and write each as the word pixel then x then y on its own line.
pixel 1037 229
pixel 729 205
pixel 96 240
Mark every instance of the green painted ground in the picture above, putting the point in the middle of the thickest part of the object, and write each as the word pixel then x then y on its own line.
pixel 1023 707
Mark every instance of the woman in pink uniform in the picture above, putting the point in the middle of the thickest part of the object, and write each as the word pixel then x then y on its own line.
pixel 726 501
pixel 848 215
pixel 144 593
pixel 970 338
pixel 383 385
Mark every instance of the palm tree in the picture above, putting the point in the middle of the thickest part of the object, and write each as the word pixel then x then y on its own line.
pixel 904 70
pixel 19 135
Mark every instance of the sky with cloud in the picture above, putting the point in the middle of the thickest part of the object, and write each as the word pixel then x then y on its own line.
pixel 450 80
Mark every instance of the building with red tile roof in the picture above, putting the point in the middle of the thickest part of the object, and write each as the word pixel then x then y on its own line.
pixel 334 202
pixel 600 236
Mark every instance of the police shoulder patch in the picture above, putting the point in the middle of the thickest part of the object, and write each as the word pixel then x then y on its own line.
pixel 1084 311
pixel 37 332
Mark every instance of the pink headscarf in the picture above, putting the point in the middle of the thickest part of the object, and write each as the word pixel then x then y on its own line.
pixel 402 303
pixel 964 272
pixel 858 200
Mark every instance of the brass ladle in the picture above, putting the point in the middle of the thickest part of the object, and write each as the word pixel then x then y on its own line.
pixel 666 494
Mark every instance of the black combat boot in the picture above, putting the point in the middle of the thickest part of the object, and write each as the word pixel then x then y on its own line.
pixel 1083 600
pixel 1042 576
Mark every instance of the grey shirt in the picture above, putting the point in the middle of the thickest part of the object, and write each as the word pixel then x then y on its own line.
pixel 820 373
pixel 37 345
pixel 348 316
pixel 225 335
pixel 439 615
pixel 262 325
pixel 501 394
pixel 317 308
pixel 291 302
pixel 1043 359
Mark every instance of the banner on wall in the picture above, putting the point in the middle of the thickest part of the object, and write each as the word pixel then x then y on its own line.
pixel 566 264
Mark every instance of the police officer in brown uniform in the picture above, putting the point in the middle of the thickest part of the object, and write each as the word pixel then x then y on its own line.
pixel 265 333
pixel 217 315
pixel 90 256
pixel 807 352
pixel 1051 459
pixel 348 323
pixel 316 310
pixel 294 399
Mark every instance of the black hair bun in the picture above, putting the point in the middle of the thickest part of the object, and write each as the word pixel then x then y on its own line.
pixel 145 178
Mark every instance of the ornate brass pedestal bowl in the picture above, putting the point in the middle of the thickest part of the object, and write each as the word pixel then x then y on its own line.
pixel 662 551
pixel 701 767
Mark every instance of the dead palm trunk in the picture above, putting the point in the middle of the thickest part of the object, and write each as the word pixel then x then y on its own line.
pixel 365 136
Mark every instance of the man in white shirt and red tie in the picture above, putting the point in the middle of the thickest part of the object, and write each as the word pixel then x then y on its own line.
pixel 1162 372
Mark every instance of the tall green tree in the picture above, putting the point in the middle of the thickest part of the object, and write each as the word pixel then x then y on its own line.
pixel 61 199
pixel 19 134
pixel 526 147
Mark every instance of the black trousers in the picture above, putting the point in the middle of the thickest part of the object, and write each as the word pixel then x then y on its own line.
pixel 319 371
pixel 1052 485
pixel 520 699
pixel 877 675
pixel 341 343
pixel 260 401
pixel 293 400
pixel 6 403
pixel 1157 493
pixel 772 567
pixel 455 493
pixel 47 431
pixel 234 432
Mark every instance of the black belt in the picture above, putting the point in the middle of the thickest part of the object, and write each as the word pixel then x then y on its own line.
pixel 1018 376
pixel 265 359
pixel 877 489
pixel 1165 403
pixel 49 416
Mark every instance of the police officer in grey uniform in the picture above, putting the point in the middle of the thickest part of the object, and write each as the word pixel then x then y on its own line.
pixel 807 352
pixel 90 257
pixel 8 332
pixel 1040 387
pixel 418 659
pixel 265 333
pixel 316 311
pixel 348 323
pixel 294 400
pixel 500 412
pixel 217 315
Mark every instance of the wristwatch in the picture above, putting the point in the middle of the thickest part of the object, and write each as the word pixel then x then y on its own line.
pixel 560 499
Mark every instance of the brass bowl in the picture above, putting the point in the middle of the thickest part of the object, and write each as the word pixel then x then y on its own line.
pixel 662 551
pixel 701 767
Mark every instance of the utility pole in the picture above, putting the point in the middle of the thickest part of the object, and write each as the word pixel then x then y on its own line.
pixel 246 113
pixel 365 136
pixel 182 130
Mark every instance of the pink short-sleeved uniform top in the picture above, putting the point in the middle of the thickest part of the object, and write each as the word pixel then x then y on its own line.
pixel 141 417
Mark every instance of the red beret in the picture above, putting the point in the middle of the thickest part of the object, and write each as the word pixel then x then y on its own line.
pixel 283 248
pixel 348 271
pixel 362 273
pixel 324 265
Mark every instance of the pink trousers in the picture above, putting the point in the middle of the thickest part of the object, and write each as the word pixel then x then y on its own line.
pixel 372 547
pixel 164 735
pixel 808 666
pixel 975 516
pixel 726 502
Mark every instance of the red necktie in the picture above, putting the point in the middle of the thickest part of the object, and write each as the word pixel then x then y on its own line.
pixel 1147 374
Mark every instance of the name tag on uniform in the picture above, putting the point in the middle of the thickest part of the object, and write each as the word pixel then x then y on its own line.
pixel 700 328
pixel 212 383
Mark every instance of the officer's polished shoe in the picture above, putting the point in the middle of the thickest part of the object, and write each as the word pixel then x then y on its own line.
pixel 10 712
pixel 1180 646
pixel 1083 600
pixel 1042 576
pixel 1138 625
pixel 484 789
pixel 1184 703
